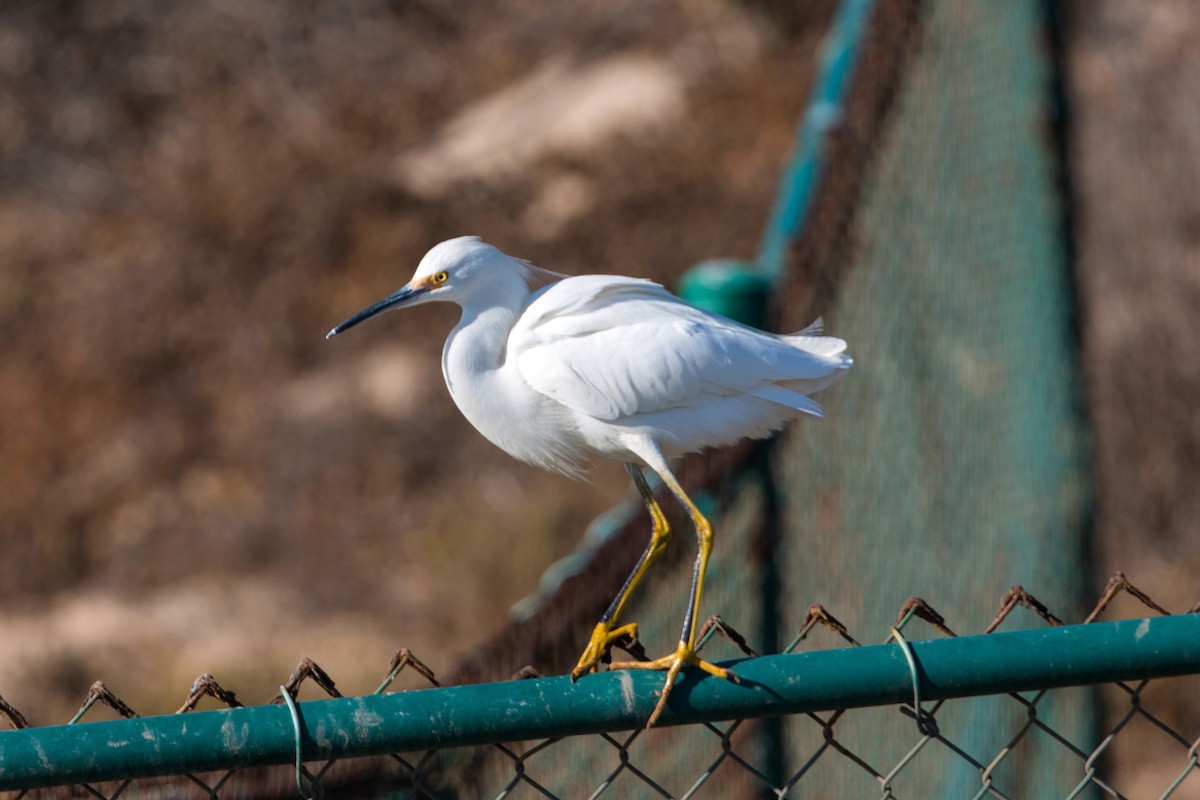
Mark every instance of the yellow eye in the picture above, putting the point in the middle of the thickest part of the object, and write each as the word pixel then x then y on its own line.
pixel 440 278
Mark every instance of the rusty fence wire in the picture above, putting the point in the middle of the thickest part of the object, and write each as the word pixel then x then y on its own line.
pixel 1145 722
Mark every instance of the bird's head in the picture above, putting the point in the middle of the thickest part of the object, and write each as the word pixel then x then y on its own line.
pixel 451 271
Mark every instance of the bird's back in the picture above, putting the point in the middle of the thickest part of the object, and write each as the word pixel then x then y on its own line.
pixel 626 353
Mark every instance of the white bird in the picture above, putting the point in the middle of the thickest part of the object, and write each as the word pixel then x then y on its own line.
pixel 558 371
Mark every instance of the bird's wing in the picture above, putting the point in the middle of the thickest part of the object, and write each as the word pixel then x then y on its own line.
pixel 613 347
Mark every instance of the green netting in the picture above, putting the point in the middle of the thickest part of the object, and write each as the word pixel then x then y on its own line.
pixel 951 465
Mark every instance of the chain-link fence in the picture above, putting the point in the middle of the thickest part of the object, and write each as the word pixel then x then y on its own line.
pixel 930 736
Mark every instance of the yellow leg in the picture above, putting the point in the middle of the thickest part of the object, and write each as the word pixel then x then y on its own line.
pixel 604 635
pixel 685 654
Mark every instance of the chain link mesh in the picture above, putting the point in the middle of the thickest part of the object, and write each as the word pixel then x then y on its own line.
pixel 927 739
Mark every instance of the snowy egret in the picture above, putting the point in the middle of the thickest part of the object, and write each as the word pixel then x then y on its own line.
pixel 559 370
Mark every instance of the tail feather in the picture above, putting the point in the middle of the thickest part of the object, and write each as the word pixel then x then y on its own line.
pixel 792 399
pixel 828 346
pixel 815 328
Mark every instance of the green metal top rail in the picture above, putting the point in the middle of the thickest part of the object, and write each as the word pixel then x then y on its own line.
pixel 551 707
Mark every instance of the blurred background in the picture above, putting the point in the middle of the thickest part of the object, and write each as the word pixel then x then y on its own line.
pixel 193 480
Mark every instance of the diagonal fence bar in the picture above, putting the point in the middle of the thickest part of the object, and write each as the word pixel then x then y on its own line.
pixel 553 707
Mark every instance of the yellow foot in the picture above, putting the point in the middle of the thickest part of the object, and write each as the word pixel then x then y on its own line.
pixel 603 638
pixel 685 655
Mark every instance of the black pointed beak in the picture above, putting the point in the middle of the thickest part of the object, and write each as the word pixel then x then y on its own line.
pixel 393 300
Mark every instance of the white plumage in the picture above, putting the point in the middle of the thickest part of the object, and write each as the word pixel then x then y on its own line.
pixel 559 371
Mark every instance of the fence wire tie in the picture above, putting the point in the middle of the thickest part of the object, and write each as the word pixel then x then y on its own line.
pixel 314 791
pixel 926 724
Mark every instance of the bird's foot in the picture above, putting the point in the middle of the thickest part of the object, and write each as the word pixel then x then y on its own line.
pixel 603 638
pixel 684 656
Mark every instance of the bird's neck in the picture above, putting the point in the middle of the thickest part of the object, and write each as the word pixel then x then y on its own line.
pixel 479 340
pixel 476 349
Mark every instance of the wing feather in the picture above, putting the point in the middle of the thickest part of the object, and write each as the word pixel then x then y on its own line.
pixel 613 347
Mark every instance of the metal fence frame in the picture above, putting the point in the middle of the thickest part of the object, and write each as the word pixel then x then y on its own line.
pixel 916 675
